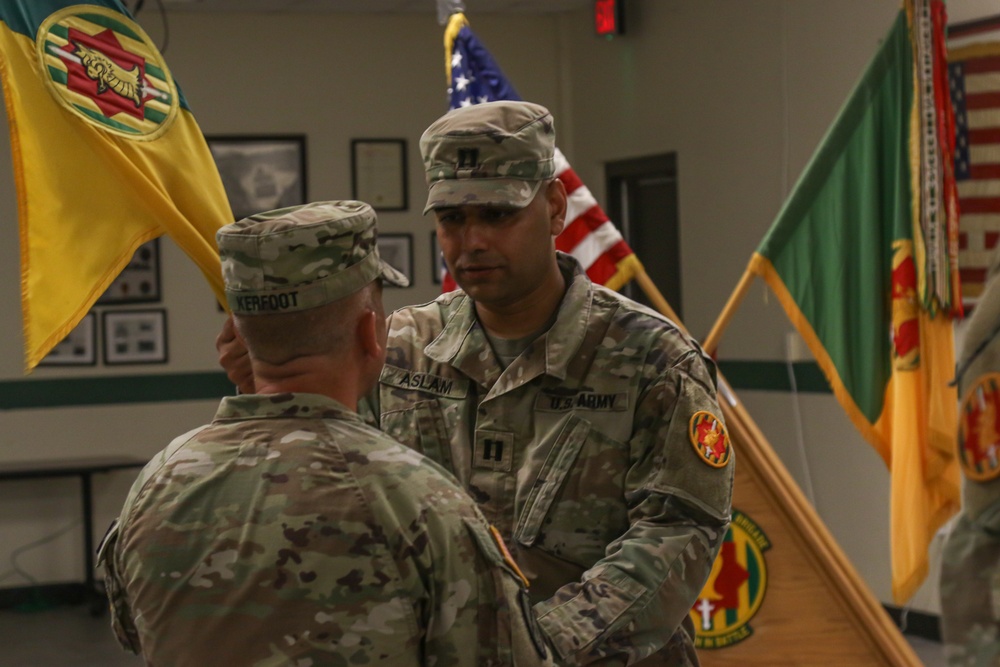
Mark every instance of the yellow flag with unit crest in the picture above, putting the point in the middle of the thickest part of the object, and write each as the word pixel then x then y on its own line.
pixel 106 157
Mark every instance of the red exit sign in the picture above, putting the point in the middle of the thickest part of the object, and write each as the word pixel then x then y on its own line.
pixel 608 17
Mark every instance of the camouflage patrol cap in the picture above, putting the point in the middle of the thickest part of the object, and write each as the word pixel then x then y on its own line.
pixel 301 257
pixel 497 153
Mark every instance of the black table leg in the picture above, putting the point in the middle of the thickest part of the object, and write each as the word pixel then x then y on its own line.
pixel 94 598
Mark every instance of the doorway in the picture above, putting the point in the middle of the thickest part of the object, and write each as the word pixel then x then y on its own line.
pixel 642 201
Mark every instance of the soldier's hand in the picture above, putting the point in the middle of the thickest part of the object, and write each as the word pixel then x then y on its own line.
pixel 234 358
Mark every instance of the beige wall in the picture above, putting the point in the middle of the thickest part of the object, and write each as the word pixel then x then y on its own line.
pixel 741 90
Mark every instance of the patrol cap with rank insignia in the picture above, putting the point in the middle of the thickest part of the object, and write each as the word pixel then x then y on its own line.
pixel 301 257
pixel 493 154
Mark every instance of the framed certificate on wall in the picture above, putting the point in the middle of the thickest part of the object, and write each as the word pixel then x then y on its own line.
pixel 378 173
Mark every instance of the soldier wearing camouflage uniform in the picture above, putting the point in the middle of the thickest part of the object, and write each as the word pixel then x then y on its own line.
pixel 287 531
pixel 585 425
pixel 970 570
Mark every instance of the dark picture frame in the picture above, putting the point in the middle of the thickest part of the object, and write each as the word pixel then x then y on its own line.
pixel 378 173
pixel 139 281
pixel 261 173
pixel 78 348
pixel 438 265
pixel 135 336
pixel 396 250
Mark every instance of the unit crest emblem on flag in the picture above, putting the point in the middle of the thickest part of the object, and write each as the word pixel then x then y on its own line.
pixel 735 588
pixel 979 430
pixel 103 67
pixel 709 438
pixel 905 308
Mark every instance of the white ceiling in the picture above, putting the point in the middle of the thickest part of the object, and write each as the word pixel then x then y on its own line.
pixel 370 6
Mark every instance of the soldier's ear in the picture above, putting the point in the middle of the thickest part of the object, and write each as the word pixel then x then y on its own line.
pixel 371 336
pixel 555 195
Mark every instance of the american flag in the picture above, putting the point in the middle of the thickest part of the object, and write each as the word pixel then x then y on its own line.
pixel 589 235
pixel 974 73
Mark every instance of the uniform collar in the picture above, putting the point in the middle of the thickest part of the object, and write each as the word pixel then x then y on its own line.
pixel 268 406
pixel 462 342
pixel 563 340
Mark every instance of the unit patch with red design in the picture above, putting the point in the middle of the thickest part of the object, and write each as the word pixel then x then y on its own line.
pixel 710 439
pixel 979 430
pixel 735 588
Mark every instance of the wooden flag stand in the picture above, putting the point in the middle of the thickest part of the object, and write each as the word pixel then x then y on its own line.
pixel 793 596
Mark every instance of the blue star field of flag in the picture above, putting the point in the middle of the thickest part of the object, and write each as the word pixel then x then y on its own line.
pixel 475 76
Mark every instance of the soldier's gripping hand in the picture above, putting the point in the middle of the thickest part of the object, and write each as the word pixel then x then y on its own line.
pixel 234 358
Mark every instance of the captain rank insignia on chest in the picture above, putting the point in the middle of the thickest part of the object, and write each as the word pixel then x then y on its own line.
pixel 494 450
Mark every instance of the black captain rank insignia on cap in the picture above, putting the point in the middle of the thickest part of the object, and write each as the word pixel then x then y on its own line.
pixel 468 158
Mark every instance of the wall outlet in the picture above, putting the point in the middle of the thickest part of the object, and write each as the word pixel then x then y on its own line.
pixel 796 348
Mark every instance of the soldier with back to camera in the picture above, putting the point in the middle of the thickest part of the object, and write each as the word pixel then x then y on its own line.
pixel 289 532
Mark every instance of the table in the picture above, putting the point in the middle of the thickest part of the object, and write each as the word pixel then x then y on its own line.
pixel 84 468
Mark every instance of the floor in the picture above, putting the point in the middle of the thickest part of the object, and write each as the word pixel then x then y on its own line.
pixel 929 652
pixel 69 636
pixel 62 636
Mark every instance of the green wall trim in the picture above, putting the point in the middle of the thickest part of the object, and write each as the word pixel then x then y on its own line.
pixel 112 390
pixel 773 376
pixel 169 387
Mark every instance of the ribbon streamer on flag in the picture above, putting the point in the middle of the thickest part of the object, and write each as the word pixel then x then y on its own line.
pixel 936 231
pixel 473 78
pixel 106 157
pixel 842 257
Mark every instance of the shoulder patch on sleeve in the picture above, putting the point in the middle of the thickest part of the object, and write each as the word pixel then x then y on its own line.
pixel 979 429
pixel 709 439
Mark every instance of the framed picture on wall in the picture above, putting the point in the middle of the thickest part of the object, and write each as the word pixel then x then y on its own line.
pixel 261 173
pixel 78 348
pixel 135 336
pixel 378 173
pixel 438 266
pixel 139 281
pixel 396 250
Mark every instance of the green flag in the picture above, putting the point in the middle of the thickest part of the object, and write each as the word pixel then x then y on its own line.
pixel 840 258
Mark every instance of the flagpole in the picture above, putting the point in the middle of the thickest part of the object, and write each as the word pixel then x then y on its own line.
pixel 788 500
pixel 655 296
pixel 758 461
pixel 761 463
pixel 445 8
pixel 712 340
pixel 660 303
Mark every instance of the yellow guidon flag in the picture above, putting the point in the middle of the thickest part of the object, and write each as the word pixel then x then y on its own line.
pixel 106 157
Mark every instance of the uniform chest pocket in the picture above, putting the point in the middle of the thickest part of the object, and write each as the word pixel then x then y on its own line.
pixel 420 426
pixel 551 477
pixel 576 505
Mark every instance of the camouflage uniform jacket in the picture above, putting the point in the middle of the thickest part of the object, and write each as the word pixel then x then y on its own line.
pixel 970 568
pixel 288 532
pixel 579 453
